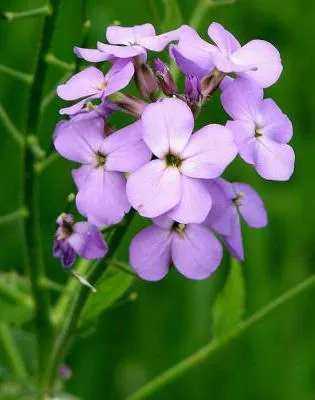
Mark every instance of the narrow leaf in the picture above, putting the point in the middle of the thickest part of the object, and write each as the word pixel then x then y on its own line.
pixel 172 15
pixel 229 306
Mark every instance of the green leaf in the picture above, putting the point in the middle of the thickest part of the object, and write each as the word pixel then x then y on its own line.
pixel 110 288
pixel 172 15
pixel 16 304
pixel 229 306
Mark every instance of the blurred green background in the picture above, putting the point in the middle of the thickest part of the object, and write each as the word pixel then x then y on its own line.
pixel 134 341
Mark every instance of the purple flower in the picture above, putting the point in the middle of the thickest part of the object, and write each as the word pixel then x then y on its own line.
pixel 260 128
pixel 128 42
pixel 257 60
pixel 192 89
pixel 92 84
pixel 81 238
pixel 174 181
pixel 229 201
pixel 100 180
pixel 194 250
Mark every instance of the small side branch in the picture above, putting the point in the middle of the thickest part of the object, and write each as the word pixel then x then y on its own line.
pixel 36 12
pixel 11 128
pixel 21 76
pixel 14 216
pixel 53 60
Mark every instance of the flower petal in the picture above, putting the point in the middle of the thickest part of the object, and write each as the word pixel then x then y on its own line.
pixel 225 41
pixel 79 140
pixel 154 189
pixel 150 253
pixel 209 152
pixel 195 202
pixel 87 241
pixel 234 241
pixel 77 107
pixel 125 150
pixel 121 51
pixel 92 55
pixel 84 83
pixel 118 77
pixel 102 199
pixel 128 35
pixel 274 161
pixel 252 208
pixel 196 252
pixel 167 126
pixel 264 60
pixel 159 42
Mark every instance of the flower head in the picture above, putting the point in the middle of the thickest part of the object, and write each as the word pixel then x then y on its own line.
pixel 193 249
pixel 73 239
pixel 100 180
pixel 174 181
pixel 260 128
pixel 229 201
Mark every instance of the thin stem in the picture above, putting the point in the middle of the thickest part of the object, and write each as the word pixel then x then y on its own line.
pixel 205 352
pixel 41 165
pixel 68 329
pixel 14 216
pixel 53 60
pixel 52 94
pixel 12 16
pixel 124 267
pixel 11 128
pixel 16 296
pixel 17 363
pixel 21 76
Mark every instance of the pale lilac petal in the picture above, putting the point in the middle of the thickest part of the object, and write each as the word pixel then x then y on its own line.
pixel 87 241
pixel 80 175
pixel 274 161
pixel 125 150
pixel 222 214
pixel 209 152
pixel 159 42
pixel 85 83
pixel 154 189
pixel 242 99
pixel 189 66
pixel 77 107
pixel 251 206
pixel 226 82
pixel 264 60
pixel 167 126
pixel 225 41
pixel 118 77
pixel 164 221
pixel 195 202
pixel 79 140
pixel 196 252
pixel 274 123
pixel 102 199
pixel 128 35
pixel 244 137
pixel 121 51
pixel 150 253
pixel 92 55
pixel 234 241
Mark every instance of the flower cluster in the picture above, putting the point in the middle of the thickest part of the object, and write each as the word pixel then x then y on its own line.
pixel 159 164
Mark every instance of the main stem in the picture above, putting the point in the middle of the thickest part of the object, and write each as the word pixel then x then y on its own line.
pixel 32 232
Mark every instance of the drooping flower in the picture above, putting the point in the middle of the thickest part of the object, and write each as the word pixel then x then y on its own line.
pixel 92 84
pixel 229 202
pixel 128 42
pixel 193 248
pixel 174 181
pixel 100 180
pixel 260 128
pixel 258 60
pixel 77 239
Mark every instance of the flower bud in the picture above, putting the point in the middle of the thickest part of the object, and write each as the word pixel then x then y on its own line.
pixel 210 83
pixel 146 81
pixel 132 105
pixel 164 76
pixel 192 89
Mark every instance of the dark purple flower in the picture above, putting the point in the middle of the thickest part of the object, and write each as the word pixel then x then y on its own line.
pixel 194 250
pixel 73 239
pixel 174 181
pixel 100 180
pixel 229 201
pixel 260 128
pixel 164 77
pixel 92 84
pixel 192 89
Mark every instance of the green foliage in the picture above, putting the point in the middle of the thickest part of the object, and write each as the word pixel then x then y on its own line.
pixel 229 306
pixel 111 287
pixel 16 306
pixel 172 15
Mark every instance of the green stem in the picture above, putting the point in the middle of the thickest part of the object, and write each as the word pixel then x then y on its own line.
pixel 11 128
pixel 14 216
pixel 41 165
pixel 17 363
pixel 16 296
pixel 26 78
pixel 205 352
pixel 32 232
pixel 12 16
pixel 67 331
pixel 52 94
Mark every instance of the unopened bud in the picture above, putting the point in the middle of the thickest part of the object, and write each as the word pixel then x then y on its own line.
pixel 132 105
pixel 146 81
pixel 210 83
pixel 192 88
pixel 164 76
